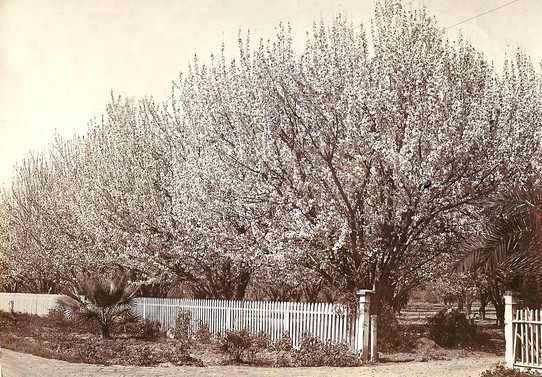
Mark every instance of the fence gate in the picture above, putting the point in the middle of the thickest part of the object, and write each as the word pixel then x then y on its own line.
pixel 523 334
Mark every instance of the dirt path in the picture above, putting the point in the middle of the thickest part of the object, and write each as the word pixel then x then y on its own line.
pixel 16 364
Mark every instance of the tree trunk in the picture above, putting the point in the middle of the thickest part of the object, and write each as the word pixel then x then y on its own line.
pixel 105 331
pixel 460 302
pixel 484 299
pixel 385 291
pixel 498 303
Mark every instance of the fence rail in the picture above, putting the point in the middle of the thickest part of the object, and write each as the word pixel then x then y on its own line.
pixel 326 321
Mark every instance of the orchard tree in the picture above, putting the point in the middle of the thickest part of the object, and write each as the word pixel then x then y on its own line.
pixel 121 190
pixel 28 247
pixel 370 160
pixel 225 233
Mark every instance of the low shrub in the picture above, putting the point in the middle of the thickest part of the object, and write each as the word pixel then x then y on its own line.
pixel 283 344
pixel 182 325
pixel 237 343
pixel 315 353
pixel 452 329
pixel 392 336
pixel 57 316
pixel 144 356
pixel 154 354
pixel 502 371
pixel 203 334
pixel 244 345
pixel 260 342
pixel 144 329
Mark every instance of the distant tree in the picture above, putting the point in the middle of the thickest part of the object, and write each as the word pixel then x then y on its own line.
pixel 460 288
pixel 30 229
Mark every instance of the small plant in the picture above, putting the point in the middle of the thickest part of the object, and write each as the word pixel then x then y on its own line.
pixel 238 343
pixel 144 329
pixel 284 344
pixel 57 316
pixel 502 371
pixel 182 325
pixel 144 356
pixel 203 334
pixel 451 328
pixel 260 342
pixel 314 352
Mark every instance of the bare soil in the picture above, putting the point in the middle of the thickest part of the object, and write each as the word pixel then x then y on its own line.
pixel 16 364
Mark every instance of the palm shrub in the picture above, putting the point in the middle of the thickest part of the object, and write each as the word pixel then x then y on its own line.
pixel 105 299
pixel 506 253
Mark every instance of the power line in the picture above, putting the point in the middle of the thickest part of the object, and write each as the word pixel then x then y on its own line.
pixel 482 14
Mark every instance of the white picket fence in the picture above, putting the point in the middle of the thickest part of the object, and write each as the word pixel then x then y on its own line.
pixel 523 335
pixel 326 321
pixel 323 320
pixel 27 302
pixel 528 339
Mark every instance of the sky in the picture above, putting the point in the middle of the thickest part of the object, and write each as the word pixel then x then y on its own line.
pixel 60 59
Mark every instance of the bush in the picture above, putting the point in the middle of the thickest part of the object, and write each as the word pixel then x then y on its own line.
pixel 144 356
pixel 315 353
pixel 284 344
pixel 144 329
pixel 182 325
pixel 241 345
pixel 502 371
pixel 203 334
pixel 451 329
pixel 155 353
pixel 236 343
pixel 391 335
pixel 260 341
pixel 58 318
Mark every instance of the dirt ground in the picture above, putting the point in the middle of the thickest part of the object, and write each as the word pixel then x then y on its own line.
pixel 16 364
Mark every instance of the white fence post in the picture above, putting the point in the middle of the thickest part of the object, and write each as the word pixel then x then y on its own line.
pixel 362 324
pixel 374 341
pixel 511 305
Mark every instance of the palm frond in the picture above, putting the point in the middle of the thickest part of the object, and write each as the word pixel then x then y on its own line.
pixel 513 242
pixel 520 201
